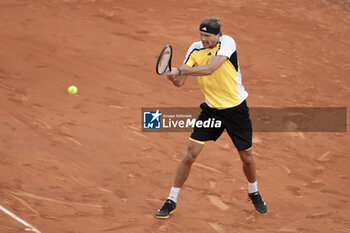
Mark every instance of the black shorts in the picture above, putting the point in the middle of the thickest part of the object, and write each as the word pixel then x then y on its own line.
pixel 235 120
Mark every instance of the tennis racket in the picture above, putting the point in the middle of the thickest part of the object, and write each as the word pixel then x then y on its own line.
pixel 164 60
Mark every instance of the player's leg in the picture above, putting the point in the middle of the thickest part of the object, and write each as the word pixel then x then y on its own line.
pixel 184 167
pixel 248 164
pixel 239 127
pixel 198 137
pixel 182 173
pixel 249 169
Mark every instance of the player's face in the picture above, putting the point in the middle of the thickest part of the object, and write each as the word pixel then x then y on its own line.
pixel 209 40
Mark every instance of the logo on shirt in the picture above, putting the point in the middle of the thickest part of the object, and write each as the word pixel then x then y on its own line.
pixel 209 54
pixel 151 120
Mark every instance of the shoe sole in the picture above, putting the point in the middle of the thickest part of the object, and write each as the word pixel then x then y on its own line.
pixel 260 213
pixel 166 217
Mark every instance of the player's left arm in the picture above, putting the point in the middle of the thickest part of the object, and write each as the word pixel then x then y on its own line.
pixel 214 63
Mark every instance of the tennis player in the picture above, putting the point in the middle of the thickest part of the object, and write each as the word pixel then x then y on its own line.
pixel 214 61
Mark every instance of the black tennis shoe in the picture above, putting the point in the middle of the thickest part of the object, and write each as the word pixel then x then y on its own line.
pixel 167 209
pixel 259 204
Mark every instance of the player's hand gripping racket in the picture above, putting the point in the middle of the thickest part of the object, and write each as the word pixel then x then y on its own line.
pixel 164 60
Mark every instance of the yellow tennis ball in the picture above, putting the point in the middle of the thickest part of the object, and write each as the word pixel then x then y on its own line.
pixel 72 90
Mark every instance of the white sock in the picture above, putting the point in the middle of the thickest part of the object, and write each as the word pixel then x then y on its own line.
pixel 173 193
pixel 252 187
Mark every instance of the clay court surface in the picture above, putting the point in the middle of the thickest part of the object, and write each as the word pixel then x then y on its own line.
pixel 81 164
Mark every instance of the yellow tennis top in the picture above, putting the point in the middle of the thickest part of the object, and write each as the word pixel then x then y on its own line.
pixel 223 88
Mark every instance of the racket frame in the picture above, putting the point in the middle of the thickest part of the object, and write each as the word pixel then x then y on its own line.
pixel 160 56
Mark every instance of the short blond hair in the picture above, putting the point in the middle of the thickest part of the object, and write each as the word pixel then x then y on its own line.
pixel 212 22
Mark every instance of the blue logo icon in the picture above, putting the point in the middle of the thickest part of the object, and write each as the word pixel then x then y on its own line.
pixel 151 120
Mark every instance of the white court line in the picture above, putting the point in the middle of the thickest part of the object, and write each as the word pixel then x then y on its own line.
pixel 29 227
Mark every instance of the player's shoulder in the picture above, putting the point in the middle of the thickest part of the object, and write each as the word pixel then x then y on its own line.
pixel 226 39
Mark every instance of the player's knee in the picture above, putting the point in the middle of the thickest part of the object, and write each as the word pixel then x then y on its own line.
pixel 247 160
pixel 190 157
pixel 246 157
pixel 192 152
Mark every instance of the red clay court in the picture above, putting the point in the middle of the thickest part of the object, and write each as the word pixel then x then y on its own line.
pixel 81 164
